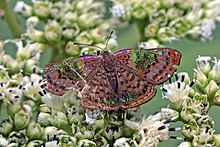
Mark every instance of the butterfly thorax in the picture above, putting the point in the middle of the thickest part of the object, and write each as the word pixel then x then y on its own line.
pixel 108 62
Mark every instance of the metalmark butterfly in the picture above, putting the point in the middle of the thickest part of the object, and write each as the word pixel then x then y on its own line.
pixel 121 80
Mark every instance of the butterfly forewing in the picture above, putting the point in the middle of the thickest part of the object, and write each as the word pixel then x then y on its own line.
pixel 154 65
pixel 63 76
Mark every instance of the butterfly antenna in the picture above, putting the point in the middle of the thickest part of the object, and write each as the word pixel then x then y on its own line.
pixel 109 39
pixel 76 43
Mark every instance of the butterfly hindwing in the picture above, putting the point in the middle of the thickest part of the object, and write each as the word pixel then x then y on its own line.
pixel 133 90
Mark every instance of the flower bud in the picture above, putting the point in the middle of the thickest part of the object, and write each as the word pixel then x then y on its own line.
pixel 69 19
pixel 121 142
pixel 60 120
pixel 166 34
pixel 70 32
pixel 35 35
pixel 214 74
pixel 84 131
pixel 72 49
pixel 189 131
pixel 84 37
pixel 139 12
pixel 185 144
pixel 86 142
pixel 216 98
pixel 34 131
pixel 97 35
pixel 67 141
pixel 17 138
pixel 29 64
pixel 211 89
pixel 14 108
pixel 99 125
pixel 32 21
pixel 88 20
pixel 216 139
pixel 14 66
pixel 151 30
pixel 21 119
pixel 6 126
pixel 201 80
pixel 34 143
pixel 42 8
pixel 24 9
pixel 194 33
pixel 203 64
pixel 151 43
pixel 3 141
pixel 52 32
pixel 44 119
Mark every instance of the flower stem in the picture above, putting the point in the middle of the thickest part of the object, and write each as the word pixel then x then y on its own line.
pixel 11 19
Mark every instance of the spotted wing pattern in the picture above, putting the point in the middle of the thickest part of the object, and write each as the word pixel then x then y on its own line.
pixel 98 93
pixel 63 76
pixel 133 90
pixel 128 80
pixel 154 65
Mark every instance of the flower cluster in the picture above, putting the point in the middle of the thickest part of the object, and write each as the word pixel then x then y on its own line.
pixel 66 22
pixel 165 21
pixel 193 104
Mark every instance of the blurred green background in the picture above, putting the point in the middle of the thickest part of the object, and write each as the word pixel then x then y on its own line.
pixel 128 37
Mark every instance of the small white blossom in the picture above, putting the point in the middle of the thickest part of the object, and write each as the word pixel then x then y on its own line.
pixel 203 64
pixel 121 142
pixel 118 10
pixel 207 28
pixel 176 92
pixel 216 66
pixel 52 143
pixel 3 141
pixel 151 43
pixel 32 85
pixel 53 101
pixel 19 7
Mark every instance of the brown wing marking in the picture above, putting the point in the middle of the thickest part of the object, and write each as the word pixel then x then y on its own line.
pixel 162 69
pixel 99 93
pixel 133 90
pixel 63 76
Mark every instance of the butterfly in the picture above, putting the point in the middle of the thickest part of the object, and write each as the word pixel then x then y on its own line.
pixel 122 80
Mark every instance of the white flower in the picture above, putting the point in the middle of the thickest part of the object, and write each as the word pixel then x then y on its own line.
pixel 206 29
pixel 216 66
pixel 176 92
pixel 155 128
pixel 203 64
pixel 32 21
pixel 121 142
pixel 32 85
pixel 3 141
pixel 23 8
pixel 151 43
pixel 152 132
pixel 53 143
pixel 185 144
pixel 91 115
pixel 53 101
pixel 118 10
pixel 19 7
